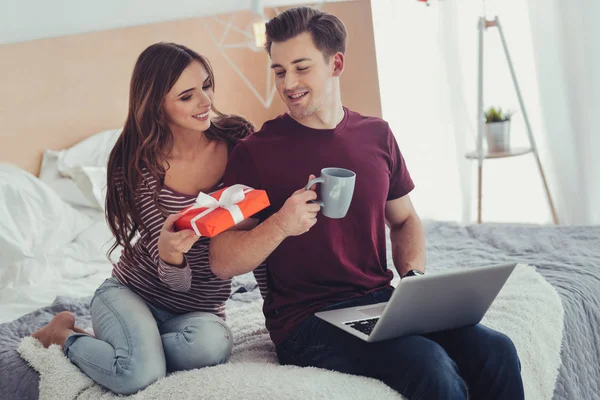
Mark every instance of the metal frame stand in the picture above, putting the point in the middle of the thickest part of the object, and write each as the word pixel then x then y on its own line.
pixel 483 25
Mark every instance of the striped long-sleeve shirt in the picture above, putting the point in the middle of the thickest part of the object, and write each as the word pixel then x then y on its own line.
pixel 192 287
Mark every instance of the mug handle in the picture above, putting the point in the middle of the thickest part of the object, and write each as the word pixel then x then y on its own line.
pixel 312 182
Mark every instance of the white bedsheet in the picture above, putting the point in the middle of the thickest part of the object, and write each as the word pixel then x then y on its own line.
pixel 18 301
pixel 75 270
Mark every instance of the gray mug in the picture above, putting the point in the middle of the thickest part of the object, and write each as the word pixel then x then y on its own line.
pixel 335 194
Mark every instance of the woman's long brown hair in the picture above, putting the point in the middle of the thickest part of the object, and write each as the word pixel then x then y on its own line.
pixel 146 139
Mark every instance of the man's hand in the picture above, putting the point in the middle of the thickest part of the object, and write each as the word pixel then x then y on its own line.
pixel 172 245
pixel 298 214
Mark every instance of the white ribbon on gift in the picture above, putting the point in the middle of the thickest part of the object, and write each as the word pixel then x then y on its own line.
pixel 228 201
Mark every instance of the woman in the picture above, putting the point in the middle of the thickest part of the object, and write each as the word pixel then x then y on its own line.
pixel 163 309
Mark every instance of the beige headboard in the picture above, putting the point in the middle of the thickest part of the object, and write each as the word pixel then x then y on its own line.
pixel 56 92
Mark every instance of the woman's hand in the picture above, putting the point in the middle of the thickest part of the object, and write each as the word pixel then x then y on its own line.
pixel 173 245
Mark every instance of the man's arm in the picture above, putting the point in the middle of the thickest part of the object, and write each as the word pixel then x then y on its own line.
pixel 244 247
pixel 406 234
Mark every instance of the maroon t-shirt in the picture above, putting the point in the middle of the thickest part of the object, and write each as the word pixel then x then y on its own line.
pixel 337 259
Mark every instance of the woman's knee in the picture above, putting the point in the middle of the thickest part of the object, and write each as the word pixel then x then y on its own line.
pixel 214 339
pixel 201 343
pixel 138 377
pixel 124 324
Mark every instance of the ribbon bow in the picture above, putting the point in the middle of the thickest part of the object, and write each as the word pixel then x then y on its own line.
pixel 228 201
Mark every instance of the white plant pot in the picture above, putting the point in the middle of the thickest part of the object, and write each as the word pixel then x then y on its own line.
pixel 498 136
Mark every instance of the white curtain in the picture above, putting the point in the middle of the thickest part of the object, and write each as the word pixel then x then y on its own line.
pixel 427 64
pixel 567 55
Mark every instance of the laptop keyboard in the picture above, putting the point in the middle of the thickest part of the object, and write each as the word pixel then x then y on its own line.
pixel 364 325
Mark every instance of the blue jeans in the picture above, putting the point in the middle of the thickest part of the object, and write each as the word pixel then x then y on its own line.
pixel 137 343
pixel 472 362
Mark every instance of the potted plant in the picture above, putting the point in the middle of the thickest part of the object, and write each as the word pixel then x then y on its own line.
pixel 497 128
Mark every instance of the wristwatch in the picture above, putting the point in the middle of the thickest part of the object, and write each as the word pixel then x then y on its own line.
pixel 413 272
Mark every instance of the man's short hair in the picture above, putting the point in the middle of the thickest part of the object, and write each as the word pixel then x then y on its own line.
pixel 327 31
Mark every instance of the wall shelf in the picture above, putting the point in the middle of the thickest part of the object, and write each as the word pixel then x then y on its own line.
pixel 514 152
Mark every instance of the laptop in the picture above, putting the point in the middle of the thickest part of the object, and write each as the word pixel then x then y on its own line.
pixel 424 304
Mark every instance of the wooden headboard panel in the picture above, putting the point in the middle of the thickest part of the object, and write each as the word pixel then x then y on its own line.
pixel 56 92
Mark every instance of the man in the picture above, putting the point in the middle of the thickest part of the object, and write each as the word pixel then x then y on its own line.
pixel 316 263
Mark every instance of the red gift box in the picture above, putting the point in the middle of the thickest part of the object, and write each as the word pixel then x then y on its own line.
pixel 218 211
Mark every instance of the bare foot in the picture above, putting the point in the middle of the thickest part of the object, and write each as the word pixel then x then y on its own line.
pixel 60 335
pixel 62 321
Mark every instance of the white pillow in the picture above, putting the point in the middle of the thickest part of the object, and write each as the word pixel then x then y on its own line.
pixel 65 187
pixel 78 174
pixel 91 152
pixel 34 220
pixel 91 181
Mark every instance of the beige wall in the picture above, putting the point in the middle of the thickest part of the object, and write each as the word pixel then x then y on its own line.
pixel 58 91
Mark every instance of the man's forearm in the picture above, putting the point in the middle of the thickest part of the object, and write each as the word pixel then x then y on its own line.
pixel 408 245
pixel 236 252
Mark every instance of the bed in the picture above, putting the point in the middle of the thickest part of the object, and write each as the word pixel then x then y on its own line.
pixel 53 241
